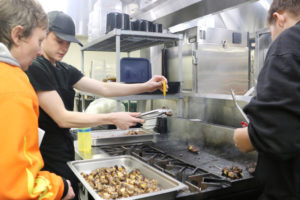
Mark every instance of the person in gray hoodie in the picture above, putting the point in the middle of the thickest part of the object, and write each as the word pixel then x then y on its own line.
pixel 23 25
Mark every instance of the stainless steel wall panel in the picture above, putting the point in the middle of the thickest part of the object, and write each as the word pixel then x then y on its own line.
pixel 187 63
pixel 219 36
pixel 220 69
pixel 215 110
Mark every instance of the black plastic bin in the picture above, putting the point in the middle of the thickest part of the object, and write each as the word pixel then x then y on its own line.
pixel 117 20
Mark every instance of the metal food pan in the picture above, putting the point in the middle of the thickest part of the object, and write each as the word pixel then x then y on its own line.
pixel 168 185
pixel 115 136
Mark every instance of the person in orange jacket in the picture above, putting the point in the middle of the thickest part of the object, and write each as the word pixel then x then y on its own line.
pixel 23 25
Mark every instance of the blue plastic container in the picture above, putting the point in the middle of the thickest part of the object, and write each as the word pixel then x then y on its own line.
pixel 135 70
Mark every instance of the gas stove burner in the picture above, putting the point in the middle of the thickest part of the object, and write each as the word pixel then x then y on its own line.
pixel 206 181
pixel 196 180
pixel 146 149
pixel 152 159
pixel 114 151
pixel 177 168
pixel 148 154
pixel 178 173
pixel 170 163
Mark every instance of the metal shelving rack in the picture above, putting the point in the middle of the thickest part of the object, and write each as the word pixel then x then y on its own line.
pixel 127 41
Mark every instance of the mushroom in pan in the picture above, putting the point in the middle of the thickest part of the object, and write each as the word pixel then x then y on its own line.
pixel 115 182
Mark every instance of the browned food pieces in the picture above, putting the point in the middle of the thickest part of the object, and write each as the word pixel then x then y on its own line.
pixel 167 113
pixel 251 168
pixel 115 182
pixel 234 172
pixel 133 132
pixel 193 149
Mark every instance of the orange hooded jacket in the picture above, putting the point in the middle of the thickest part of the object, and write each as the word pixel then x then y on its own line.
pixel 20 158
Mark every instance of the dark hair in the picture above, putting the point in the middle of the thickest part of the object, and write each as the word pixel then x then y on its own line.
pixel 292 6
pixel 27 13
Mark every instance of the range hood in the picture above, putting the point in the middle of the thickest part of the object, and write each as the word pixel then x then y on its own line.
pixel 173 12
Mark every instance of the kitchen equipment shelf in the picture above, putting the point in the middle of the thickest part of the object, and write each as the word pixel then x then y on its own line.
pixel 119 41
pixel 137 97
pixel 130 40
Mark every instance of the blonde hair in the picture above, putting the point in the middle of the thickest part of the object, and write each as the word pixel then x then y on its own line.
pixel 27 13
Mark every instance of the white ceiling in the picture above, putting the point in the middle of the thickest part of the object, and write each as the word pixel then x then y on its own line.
pixel 54 5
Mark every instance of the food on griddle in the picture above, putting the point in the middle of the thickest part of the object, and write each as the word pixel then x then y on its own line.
pixel 193 149
pixel 251 168
pixel 133 132
pixel 234 172
pixel 115 182
pixel 167 113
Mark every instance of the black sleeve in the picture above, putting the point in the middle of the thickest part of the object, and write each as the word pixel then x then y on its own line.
pixel 39 77
pixel 274 113
pixel 75 75
pixel 66 188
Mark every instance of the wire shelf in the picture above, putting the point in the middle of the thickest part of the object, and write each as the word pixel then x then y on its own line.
pixel 130 41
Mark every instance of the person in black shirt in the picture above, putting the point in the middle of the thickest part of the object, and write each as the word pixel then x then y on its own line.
pixel 274 113
pixel 54 82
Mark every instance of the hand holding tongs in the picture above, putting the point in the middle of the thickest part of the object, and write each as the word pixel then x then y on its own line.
pixel 155 113
pixel 244 124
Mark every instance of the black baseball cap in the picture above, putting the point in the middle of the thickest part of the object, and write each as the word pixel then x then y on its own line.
pixel 63 26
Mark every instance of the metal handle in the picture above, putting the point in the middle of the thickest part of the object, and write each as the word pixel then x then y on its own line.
pixel 154 113
pixel 238 107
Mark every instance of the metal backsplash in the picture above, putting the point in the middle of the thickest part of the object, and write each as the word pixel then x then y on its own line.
pixel 216 109
pixel 210 108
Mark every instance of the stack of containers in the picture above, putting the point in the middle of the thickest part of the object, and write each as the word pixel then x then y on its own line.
pixel 97 17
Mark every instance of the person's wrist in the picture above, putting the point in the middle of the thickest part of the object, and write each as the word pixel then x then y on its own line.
pixel 146 86
pixel 110 119
pixel 66 188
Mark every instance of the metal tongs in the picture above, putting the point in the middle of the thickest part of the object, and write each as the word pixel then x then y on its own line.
pixel 155 113
pixel 244 124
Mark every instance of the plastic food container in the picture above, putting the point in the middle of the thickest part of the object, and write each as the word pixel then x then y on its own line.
pixel 84 139
pixel 157 28
pixel 117 20
pixel 135 70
